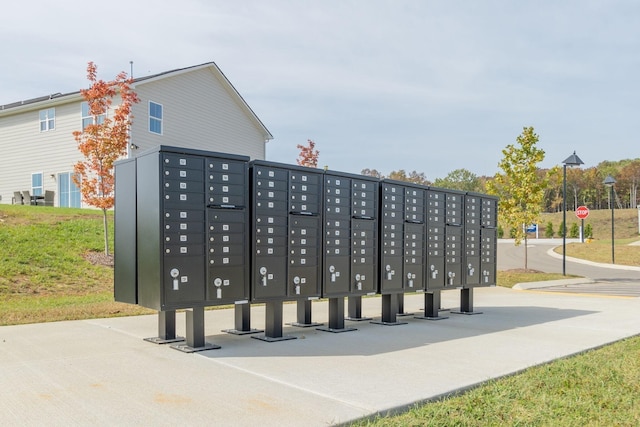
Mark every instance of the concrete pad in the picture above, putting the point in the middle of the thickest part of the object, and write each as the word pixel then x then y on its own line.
pixel 101 372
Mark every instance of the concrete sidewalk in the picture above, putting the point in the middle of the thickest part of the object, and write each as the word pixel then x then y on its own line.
pixel 101 372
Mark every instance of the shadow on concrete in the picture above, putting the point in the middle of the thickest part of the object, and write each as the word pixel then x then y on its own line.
pixel 372 339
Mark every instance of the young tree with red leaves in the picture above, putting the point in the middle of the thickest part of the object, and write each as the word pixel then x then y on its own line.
pixel 103 141
pixel 308 154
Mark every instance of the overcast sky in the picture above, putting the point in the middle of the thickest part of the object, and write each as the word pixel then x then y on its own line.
pixel 431 86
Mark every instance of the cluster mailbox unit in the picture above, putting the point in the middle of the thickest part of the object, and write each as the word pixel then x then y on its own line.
pixel 196 228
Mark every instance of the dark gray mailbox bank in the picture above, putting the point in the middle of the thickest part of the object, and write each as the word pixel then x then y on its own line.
pixel 403 244
pixel 189 228
pixel 350 255
pixel 287 240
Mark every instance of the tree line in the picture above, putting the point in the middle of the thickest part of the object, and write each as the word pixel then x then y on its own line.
pixel 584 185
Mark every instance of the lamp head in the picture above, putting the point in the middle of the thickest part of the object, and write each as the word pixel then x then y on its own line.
pixel 609 181
pixel 573 160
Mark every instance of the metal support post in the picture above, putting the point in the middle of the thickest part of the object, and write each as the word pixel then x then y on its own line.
pixel 273 323
pixel 166 329
pixel 242 313
pixel 304 314
pixel 389 311
pixel 336 317
pixel 466 302
pixel 432 303
pixel 195 340
pixel 355 309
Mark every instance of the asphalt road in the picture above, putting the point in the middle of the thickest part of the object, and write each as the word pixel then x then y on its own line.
pixel 604 279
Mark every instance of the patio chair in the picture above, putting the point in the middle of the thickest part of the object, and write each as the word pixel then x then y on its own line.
pixel 48 198
pixel 17 198
pixel 26 198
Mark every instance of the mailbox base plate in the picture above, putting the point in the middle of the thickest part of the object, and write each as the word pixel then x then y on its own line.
pixel 158 340
pixel 188 349
pixel 335 330
pixel 431 317
pixel 274 339
pixel 240 332
pixel 380 322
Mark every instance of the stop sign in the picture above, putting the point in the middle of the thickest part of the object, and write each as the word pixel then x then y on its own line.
pixel 582 212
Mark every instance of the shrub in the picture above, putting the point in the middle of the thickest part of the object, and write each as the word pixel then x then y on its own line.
pixel 588 231
pixel 574 231
pixel 561 230
pixel 548 230
pixel 500 232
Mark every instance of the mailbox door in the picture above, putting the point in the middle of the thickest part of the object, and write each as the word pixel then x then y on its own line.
pixel 414 257
pixel 364 256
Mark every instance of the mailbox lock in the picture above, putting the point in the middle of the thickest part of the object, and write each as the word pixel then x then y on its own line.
pixel 389 271
pixel 332 270
pixel 451 275
pixel 471 269
pixel 410 277
pixel 263 275
pixel 296 281
pixel 359 278
pixel 174 273
pixel 217 282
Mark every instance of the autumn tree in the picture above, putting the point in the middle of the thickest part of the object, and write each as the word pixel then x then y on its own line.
pixel 308 154
pixel 520 189
pixel 104 140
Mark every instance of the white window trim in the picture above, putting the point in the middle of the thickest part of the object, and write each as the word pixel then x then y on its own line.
pixel 47 119
pixel 89 116
pixel 161 120
pixel 59 193
pixel 32 191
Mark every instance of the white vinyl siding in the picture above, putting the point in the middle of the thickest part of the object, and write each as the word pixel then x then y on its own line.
pixel 26 149
pixel 198 112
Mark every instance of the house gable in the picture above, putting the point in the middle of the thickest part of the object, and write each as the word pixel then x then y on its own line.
pixel 201 109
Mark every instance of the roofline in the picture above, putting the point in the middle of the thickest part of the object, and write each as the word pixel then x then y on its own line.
pixel 60 98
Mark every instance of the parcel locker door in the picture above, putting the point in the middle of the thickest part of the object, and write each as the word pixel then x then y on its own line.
pixel 436 273
pixel 183 281
pixel 269 278
pixel 336 276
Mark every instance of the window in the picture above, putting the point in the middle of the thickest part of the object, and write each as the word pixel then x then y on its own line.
pixel 68 191
pixel 155 118
pixel 47 119
pixel 36 184
pixel 87 118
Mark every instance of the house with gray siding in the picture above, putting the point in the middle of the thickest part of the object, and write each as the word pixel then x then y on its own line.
pixel 194 107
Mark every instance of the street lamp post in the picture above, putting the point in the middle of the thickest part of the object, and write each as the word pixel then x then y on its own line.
pixel 572 160
pixel 609 182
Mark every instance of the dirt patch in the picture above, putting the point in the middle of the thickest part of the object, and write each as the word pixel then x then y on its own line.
pixel 99 258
